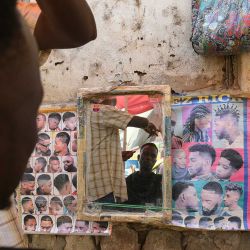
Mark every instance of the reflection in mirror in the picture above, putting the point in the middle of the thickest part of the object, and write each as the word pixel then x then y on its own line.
pixel 125 151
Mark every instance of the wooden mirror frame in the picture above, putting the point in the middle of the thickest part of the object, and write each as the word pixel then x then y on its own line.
pixel 148 217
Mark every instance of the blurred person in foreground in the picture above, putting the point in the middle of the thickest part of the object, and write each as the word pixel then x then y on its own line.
pixel 22 92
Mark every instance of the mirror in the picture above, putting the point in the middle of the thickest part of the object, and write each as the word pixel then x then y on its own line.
pixel 123 152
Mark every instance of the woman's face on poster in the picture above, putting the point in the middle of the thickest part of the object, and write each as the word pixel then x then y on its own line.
pixel 203 122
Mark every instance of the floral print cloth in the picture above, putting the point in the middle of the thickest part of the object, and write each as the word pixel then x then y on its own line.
pixel 220 26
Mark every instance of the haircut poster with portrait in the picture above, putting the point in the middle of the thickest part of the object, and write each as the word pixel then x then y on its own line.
pixel 210 175
pixel 48 190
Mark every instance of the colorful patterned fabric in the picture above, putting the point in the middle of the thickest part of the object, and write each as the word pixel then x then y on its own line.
pixel 220 26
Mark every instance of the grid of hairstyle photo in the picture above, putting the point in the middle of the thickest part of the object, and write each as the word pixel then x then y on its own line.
pixel 48 189
pixel 209 162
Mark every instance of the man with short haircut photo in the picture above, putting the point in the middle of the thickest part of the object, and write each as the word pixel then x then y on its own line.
pixel 41 204
pixel 64 224
pixel 42 145
pixel 62 184
pixel 54 165
pixel 53 121
pixel 206 223
pixel 229 163
pixel 29 223
pixel 191 222
pixel 44 185
pixel 69 164
pixel 185 197
pixel 220 222
pixel 27 184
pixel 41 122
pixel 69 120
pixel 226 126
pixel 81 226
pixel 55 206
pixel 233 192
pixel 40 164
pixel 99 227
pixel 177 220
pixel 27 205
pixel 201 159
pixel 211 199
pixel 70 205
pixel 234 223
pixel 61 144
pixel 46 224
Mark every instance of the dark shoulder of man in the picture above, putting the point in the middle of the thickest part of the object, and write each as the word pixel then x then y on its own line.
pixel 158 177
pixel 131 176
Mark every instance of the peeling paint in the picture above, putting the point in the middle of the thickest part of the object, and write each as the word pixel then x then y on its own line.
pixel 58 63
pixel 139 73
pixel 176 16
pixel 149 38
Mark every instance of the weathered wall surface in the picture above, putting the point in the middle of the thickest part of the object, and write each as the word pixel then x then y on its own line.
pixel 146 42
pixel 142 42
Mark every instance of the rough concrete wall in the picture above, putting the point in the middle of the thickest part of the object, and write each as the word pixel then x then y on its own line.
pixel 125 237
pixel 144 42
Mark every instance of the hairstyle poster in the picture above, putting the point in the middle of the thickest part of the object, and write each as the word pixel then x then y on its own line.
pixel 210 179
pixel 48 189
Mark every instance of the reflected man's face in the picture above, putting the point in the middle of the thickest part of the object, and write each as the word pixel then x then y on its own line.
pixel 147 158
